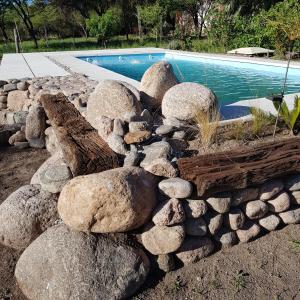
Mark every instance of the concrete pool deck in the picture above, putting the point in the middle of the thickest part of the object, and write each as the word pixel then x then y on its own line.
pixel 42 64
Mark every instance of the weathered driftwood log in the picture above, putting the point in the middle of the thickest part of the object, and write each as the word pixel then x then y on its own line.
pixel 236 169
pixel 84 150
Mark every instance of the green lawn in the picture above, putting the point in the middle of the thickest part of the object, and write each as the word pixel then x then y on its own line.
pixel 202 45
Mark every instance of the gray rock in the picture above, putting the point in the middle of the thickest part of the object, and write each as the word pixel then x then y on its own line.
pixel 104 125
pixel 270 222
pixel 55 178
pixel 292 183
pixel 2 83
pixel 176 188
pixel 270 189
pixel 154 151
pixel 21 145
pixel 52 144
pixel 3 99
pixel 132 159
pixel 161 167
pixel 63 264
pixel 179 135
pixel 235 219
pixel 295 199
pixel 138 126
pixel 280 203
pixel 168 213
pixel 166 262
pixel 195 227
pixel 220 202
pixel 35 127
pixel 119 127
pixel 19 136
pixel 256 209
pixel 112 99
pixel 194 249
pixel 290 216
pixel 22 86
pixel 20 117
pixel 249 231
pixel 117 144
pixel 183 100
pixel 164 130
pixel 155 82
pixel 9 87
pixel 175 122
pixel 162 239
pixel 25 214
pixel 226 238
pixel 194 208
pixel 214 221
pixel 244 195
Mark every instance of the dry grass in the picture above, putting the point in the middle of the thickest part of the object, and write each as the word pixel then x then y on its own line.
pixel 207 124
pixel 260 121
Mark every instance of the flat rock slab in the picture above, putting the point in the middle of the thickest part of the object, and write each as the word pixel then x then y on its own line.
pixel 84 151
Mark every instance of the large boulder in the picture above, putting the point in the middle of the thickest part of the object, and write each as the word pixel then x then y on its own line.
pixel 16 100
pixel 116 200
pixel 156 81
pixel 35 127
pixel 64 264
pixel 183 101
pixel 114 100
pixel 25 214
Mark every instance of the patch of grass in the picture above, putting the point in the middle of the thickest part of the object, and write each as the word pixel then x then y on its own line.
pixel 215 284
pixel 296 245
pixel 238 131
pixel 207 124
pixel 260 121
pixel 178 284
pixel 240 280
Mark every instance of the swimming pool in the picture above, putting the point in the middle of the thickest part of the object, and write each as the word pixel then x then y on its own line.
pixel 231 81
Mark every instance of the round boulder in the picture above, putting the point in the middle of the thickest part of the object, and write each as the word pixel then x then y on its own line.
pixel 25 214
pixel 116 200
pixel 112 99
pixel 64 264
pixel 157 80
pixel 182 101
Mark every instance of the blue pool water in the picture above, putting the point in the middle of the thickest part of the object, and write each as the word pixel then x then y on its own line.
pixel 231 81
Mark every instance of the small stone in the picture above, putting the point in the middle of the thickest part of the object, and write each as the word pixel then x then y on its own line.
pixel 280 203
pixel 154 151
pixel 194 249
pixel 105 126
pixel 116 143
pixel 256 209
pixel 21 145
pixel 270 189
pixel 179 135
pixel 55 178
pixel 132 159
pixel 176 188
pixel 174 122
pixel 138 126
pixel 166 262
pixel 164 130
pixel 291 216
pixel 249 231
pixel 3 105
pixel 9 87
pixel 269 222
pixel 244 195
pixel 119 127
pixel 137 137
pixel 214 221
pixel 20 117
pixel 16 100
pixel 22 86
pixel 19 136
pixel 3 99
pixel 146 115
pixel 292 183
pixel 295 199
pixel 161 167
pixel 195 227
pixel 194 208
pixel 169 213
pixel 226 238
pixel 236 219
pixel 162 239
pixel 220 202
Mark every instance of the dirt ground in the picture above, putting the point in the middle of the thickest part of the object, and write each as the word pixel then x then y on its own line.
pixel 267 268
pixel 16 169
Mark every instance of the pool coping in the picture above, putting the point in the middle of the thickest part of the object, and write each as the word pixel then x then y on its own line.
pixel 62 63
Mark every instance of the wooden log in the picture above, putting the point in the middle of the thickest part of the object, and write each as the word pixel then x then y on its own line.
pixel 219 172
pixel 84 151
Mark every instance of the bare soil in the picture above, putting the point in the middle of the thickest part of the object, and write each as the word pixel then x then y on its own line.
pixel 267 268
pixel 16 170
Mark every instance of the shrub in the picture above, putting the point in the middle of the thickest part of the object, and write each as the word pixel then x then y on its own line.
pixel 175 45
pixel 260 120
